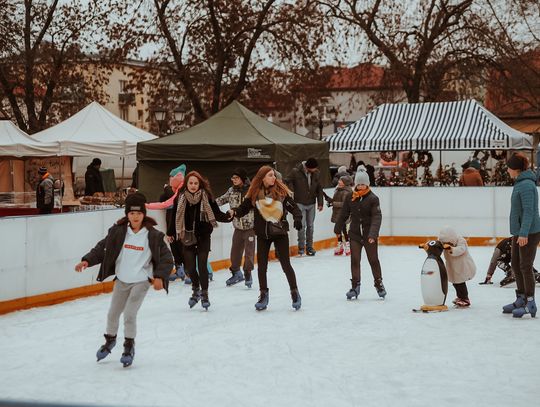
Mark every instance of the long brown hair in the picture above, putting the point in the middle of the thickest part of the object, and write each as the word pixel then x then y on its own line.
pixel 203 183
pixel 278 191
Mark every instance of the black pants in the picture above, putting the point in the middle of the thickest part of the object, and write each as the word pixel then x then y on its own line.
pixel 281 244
pixel 177 250
pixel 196 257
pixel 522 263
pixel 461 291
pixel 373 259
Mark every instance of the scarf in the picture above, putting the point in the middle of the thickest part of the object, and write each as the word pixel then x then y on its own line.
pixel 360 193
pixel 270 209
pixel 207 215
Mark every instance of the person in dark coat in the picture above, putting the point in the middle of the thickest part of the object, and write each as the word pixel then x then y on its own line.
pixel 525 231
pixel 341 172
pixel 92 178
pixel 362 206
pixel 197 214
pixel 45 192
pixel 304 181
pixel 137 255
pixel 341 193
pixel 270 200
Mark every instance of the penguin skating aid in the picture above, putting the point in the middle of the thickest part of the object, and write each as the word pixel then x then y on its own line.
pixel 434 279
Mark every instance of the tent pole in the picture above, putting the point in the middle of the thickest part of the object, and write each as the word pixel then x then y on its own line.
pixel 122 180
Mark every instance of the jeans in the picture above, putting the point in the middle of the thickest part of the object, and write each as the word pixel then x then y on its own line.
pixel 305 235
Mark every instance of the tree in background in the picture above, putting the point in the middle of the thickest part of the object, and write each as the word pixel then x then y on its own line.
pixel 41 77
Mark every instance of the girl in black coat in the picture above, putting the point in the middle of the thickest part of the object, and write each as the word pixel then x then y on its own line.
pixel 196 217
pixel 362 206
pixel 271 200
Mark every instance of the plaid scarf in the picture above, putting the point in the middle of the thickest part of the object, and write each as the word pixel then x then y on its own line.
pixel 207 215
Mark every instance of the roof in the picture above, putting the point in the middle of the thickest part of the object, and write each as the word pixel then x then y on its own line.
pixel 16 143
pixel 463 125
pixel 94 130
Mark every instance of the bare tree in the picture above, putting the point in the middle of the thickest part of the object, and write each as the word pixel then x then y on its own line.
pixel 43 66
pixel 421 48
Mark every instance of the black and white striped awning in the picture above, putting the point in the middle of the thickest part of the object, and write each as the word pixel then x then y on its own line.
pixel 465 125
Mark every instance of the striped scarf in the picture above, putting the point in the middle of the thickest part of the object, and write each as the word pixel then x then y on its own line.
pixel 207 215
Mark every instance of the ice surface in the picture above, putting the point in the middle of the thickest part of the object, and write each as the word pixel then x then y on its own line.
pixel 332 352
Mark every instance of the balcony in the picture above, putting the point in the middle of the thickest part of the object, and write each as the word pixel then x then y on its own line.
pixel 126 99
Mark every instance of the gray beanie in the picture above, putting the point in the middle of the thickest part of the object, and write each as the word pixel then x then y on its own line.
pixel 342 169
pixel 361 177
pixel 346 179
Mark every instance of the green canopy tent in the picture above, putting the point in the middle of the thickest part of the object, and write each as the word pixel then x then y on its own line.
pixel 233 137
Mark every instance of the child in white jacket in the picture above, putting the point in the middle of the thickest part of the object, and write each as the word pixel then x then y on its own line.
pixel 459 264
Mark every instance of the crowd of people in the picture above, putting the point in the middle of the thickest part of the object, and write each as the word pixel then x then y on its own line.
pixel 137 255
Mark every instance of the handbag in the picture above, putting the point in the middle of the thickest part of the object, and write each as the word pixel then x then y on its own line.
pixel 189 238
pixel 275 229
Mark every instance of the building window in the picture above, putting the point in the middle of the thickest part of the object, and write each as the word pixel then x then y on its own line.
pixel 123 86
pixel 124 113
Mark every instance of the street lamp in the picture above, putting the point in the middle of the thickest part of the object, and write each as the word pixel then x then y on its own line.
pixel 323 119
pixel 160 114
pixel 179 115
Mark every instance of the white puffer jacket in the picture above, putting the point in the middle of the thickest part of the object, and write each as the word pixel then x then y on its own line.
pixel 459 263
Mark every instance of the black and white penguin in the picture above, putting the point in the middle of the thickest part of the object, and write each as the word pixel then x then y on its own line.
pixel 434 279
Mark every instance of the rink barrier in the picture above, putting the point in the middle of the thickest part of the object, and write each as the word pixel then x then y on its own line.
pixel 38 253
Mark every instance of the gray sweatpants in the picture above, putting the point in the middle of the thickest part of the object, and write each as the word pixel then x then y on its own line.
pixel 126 298
pixel 243 243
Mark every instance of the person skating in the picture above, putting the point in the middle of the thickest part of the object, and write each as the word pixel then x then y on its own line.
pixel 341 193
pixel 196 217
pixel 459 264
pixel 271 200
pixel 243 241
pixel 525 231
pixel 137 255
pixel 304 181
pixel 362 207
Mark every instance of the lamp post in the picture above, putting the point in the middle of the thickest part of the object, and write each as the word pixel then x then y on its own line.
pixel 323 119
pixel 160 114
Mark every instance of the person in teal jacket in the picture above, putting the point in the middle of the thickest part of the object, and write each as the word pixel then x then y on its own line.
pixel 525 231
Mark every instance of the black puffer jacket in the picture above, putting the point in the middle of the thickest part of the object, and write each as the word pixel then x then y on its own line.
pixel 107 251
pixel 303 193
pixel 93 181
pixel 365 214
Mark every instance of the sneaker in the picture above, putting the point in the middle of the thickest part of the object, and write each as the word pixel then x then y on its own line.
pixel 462 302
pixel 310 251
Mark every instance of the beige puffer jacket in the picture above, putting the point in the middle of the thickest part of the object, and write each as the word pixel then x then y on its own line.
pixel 459 263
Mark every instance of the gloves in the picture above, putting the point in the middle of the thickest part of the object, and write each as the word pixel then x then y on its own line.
pixel 298 224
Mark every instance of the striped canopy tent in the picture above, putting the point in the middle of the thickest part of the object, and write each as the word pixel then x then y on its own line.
pixel 464 125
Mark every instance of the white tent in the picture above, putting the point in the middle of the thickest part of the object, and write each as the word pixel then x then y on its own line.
pixel 16 143
pixel 95 131
pixel 464 125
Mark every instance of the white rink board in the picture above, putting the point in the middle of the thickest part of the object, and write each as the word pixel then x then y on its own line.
pixel 38 253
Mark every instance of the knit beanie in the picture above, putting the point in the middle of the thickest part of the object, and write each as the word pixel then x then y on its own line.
pixel 342 169
pixel 361 177
pixel 346 179
pixel 95 161
pixel 311 163
pixel 515 162
pixel 135 202
pixel 241 172
pixel 181 168
pixel 42 170
pixel 475 164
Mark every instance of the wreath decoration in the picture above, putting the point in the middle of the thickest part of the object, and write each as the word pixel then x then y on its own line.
pixel 388 155
pixel 425 159
pixel 499 154
pixel 411 162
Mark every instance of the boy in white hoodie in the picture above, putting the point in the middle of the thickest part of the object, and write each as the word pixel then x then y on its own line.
pixel 459 264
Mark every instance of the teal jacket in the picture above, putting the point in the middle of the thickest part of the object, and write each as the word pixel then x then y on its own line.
pixel 524 218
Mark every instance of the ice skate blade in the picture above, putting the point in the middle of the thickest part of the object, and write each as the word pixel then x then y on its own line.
pixel 431 308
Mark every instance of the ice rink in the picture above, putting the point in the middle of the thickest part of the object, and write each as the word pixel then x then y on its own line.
pixel 332 352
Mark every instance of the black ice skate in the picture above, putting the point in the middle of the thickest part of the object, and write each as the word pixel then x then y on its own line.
pixel 105 349
pixel 380 289
pixel 205 302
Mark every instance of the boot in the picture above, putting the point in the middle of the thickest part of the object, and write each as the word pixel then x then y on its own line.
pixel 518 303
pixel 508 279
pixel 296 299
pixel 354 292
pixel 262 303
pixel 380 288
pixel 205 302
pixel 347 248
pixel 107 347
pixel 236 278
pixel 248 278
pixel 129 352
pixel 338 251
pixel 529 308
pixel 195 297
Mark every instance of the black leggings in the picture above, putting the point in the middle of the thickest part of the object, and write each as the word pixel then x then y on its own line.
pixel 281 244
pixel 197 255
pixel 373 259
pixel 177 250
